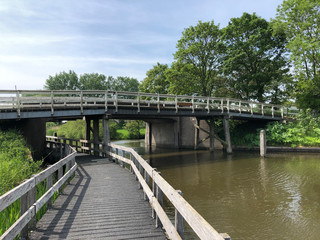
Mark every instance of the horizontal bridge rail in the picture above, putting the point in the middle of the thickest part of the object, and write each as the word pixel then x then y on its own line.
pixel 154 187
pixel 25 100
pixel 26 192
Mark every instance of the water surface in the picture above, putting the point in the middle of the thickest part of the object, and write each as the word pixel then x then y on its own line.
pixel 244 195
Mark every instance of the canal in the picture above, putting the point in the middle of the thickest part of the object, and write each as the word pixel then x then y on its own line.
pixel 244 195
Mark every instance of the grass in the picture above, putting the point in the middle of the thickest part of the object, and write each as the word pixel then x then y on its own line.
pixel 123 134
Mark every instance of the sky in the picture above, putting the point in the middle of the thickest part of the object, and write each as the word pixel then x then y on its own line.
pixel 41 38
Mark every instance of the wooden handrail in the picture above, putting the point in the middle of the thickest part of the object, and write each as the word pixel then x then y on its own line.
pixel 27 190
pixel 143 172
pixel 23 100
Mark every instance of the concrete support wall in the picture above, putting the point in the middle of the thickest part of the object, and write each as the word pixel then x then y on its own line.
pixel 178 132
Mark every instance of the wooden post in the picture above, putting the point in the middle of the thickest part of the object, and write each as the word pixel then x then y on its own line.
pixel 227 134
pixel 106 134
pixel 147 179
pixel 196 134
pixel 123 155
pixel 160 200
pixel 49 185
pixel 263 143
pixel 179 221
pixel 117 153
pixel 154 190
pixel 26 201
pixel 60 173
pixel 96 136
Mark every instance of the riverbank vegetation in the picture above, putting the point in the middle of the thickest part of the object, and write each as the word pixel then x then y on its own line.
pixel 119 130
pixel 304 131
pixel 16 164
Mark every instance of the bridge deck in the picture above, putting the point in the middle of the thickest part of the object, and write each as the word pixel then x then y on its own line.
pixel 102 202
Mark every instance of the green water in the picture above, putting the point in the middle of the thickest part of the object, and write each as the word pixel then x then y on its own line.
pixel 244 195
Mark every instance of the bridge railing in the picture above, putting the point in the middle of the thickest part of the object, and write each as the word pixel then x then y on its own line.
pixel 23 100
pixel 154 187
pixel 26 192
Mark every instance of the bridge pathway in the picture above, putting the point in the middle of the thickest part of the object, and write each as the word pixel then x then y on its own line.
pixel 101 202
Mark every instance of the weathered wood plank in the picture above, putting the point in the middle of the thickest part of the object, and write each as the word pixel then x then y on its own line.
pixel 10 197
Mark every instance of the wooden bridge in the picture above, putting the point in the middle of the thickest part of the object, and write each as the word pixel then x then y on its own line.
pixel 103 200
pixel 63 104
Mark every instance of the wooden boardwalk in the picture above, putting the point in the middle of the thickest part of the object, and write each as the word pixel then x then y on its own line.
pixel 102 202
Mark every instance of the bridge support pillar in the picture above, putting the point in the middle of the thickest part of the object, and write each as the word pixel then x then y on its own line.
pixel 96 136
pixel 148 135
pixel 106 133
pixel 227 134
pixel 196 134
pixel 211 135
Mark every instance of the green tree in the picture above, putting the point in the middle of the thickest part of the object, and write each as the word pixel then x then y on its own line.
pixel 200 49
pixel 63 81
pixel 156 81
pixel 123 84
pixel 92 81
pixel 254 58
pixel 133 128
pixel 300 19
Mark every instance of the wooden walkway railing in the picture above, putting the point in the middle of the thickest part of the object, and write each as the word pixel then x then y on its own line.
pixel 155 187
pixel 26 192
pixel 25 100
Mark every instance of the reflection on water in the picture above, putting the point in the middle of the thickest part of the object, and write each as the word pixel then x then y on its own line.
pixel 244 195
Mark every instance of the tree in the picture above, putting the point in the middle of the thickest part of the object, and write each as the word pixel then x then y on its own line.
pixel 123 84
pixel 92 81
pixel 63 81
pixel 156 81
pixel 199 48
pixel 254 58
pixel 300 19
pixel 133 128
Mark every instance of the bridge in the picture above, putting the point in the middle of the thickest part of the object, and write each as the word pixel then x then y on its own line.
pixel 97 204
pixel 171 120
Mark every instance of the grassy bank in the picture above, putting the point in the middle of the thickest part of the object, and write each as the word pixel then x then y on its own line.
pixel 16 165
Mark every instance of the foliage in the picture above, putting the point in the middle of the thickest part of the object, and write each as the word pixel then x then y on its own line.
pixel 16 165
pixel 200 48
pixel 92 81
pixel 72 129
pixel 305 131
pixel 300 21
pixel 123 84
pixel 156 81
pixel 63 81
pixel 254 58
pixel 133 127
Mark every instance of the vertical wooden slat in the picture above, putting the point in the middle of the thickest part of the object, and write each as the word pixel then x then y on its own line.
pixel 178 220
pixel 160 200
pixel 49 185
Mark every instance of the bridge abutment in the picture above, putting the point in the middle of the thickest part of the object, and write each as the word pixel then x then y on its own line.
pixel 180 132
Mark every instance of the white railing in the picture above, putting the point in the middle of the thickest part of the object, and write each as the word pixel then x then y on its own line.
pixel 24 100
pixel 26 192
pixel 154 187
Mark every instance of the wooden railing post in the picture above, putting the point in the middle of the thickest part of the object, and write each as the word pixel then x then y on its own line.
pixel 154 190
pixel 49 185
pixel 178 220
pixel 160 200
pixel 116 159
pixel 123 155
pixel 147 179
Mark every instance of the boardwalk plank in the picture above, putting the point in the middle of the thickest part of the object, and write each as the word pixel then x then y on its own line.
pixel 102 202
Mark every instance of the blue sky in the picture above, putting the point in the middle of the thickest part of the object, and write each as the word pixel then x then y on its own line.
pixel 116 38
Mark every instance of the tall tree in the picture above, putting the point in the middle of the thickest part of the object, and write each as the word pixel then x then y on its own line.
pixel 123 84
pixel 92 81
pixel 62 81
pixel 199 48
pixel 300 19
pixel 155 81
pixel 254 58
